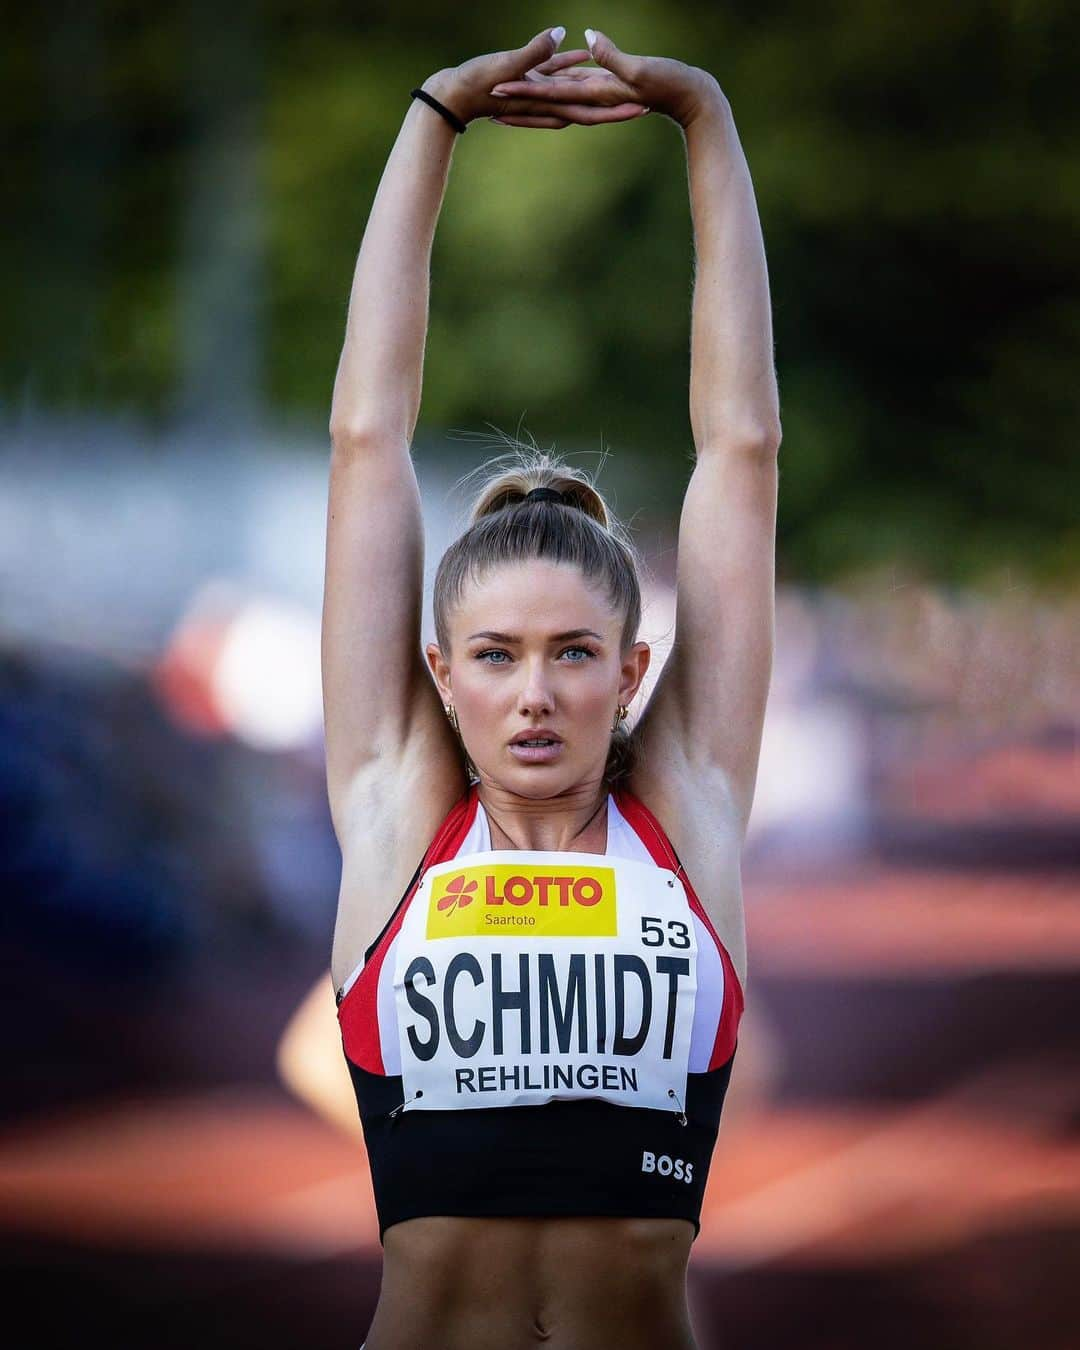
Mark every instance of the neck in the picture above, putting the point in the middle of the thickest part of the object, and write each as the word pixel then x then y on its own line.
pixel 560 824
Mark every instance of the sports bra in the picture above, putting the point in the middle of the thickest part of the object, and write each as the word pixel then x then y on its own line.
pixel 539 1033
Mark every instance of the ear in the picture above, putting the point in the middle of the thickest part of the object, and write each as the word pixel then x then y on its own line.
pixel 633 670
pixel 440 670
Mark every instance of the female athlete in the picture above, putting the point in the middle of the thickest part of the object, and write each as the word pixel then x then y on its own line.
pixel 541 1032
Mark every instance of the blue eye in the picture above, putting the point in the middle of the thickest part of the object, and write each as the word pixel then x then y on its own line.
pixel 497 651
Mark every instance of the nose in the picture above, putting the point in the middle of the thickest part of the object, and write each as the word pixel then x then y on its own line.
pixel 534 697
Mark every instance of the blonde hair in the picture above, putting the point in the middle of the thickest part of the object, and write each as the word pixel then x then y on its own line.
pixel 505 528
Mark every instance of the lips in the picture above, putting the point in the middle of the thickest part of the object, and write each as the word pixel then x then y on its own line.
pixel 536 754
pixel 538 735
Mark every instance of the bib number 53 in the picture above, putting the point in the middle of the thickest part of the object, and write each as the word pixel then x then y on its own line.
pixel 653 934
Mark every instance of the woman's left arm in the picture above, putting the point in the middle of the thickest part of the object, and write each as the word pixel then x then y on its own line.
pixel 707 710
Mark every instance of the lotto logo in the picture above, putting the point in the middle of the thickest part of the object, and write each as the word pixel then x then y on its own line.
pixel 667 1166
pixel 522 901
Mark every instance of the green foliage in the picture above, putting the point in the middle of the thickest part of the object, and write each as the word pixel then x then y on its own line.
pixel 918 181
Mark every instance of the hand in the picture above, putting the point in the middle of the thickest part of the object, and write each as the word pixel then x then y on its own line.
pixel 650 82
pixel 465 89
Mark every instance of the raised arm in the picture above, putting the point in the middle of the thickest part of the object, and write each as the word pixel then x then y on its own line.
pixel 733 394
pixel 709 703
pixel 376 690
pixel 384 723
pixel 704 718
pixel 710 699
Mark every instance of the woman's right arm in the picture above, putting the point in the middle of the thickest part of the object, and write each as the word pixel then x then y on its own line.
pixel 377 694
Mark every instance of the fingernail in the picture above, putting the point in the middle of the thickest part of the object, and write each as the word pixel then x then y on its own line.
pixel 496 94
pixel 557 34
pixel 590 38
pixel 498 121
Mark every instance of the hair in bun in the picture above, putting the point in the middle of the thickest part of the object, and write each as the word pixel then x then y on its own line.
pixel 511 486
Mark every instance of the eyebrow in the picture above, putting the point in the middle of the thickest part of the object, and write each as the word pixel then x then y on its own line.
pixel 512 638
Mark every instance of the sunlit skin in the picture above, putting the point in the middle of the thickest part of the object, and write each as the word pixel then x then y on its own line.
pixel 573 686
pixel 394 765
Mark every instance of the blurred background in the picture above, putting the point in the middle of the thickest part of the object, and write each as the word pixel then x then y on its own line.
pixel 188 187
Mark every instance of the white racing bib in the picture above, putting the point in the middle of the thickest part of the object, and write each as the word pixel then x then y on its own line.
pixel 524 976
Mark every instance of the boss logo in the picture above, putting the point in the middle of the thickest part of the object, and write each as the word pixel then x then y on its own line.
pixel 666 1166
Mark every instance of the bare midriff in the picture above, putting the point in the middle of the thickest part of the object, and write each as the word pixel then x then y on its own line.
pixel 518 1283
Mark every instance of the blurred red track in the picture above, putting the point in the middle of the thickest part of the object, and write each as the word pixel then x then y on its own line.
pixel 987 1162
pixel 885 920
pixel 247 1169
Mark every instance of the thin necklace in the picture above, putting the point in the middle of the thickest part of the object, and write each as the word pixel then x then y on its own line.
pixel 581 831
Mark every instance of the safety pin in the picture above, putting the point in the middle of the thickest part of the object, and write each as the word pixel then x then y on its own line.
pixel 418 1093
pixel 680 1115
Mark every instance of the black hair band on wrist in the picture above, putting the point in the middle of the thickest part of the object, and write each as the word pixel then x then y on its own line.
pixel 454 120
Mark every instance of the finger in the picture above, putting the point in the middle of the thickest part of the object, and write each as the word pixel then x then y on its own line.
pixel 607 90
pixel 581 114
pixel 513 65
pixel 606 54
pixel 534 78
pixel 588 115
pixel 529 107
pixel 552 123
pixel 574 76
pixel 562 59
pixel 591 73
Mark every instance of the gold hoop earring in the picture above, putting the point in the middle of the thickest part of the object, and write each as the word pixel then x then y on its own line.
pixel 470 767
pixel 620 713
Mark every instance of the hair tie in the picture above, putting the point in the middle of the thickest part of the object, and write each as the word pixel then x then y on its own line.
pixel 452 117
pixel 544 494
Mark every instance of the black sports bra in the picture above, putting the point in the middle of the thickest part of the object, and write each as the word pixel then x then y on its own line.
pixel 542 1033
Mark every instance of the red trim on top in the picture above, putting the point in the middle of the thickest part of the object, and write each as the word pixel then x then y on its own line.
pixel 358 1011
pixel 653 835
